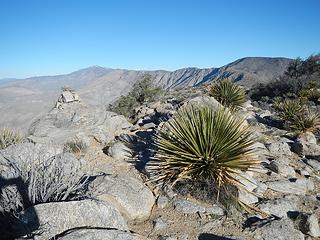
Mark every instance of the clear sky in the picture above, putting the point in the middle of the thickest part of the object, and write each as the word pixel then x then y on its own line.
pixel 59 36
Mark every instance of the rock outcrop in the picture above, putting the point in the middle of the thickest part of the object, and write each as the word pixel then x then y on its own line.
pixel 56 218
pixel 73 118
pixel 132 197
pixel 67 96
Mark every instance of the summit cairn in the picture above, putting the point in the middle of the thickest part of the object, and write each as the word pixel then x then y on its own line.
pixel 68 95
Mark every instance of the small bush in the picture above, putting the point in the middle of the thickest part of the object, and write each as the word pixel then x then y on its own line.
pixel 288 108
pixel 76 145
pixel 228 94
pixel 299 76
pixel 202 145
pixel 311 92
pixel 9 137
pixel 306 121
pixel 296 115
pixel 26 184
pixel 124 106
pixel 142 91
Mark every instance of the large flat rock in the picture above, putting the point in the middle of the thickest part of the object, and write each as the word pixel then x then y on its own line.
pixel 298 186
pixel 101 234
pixel 278 230
pixel 58 217
pixel 131 196
pixel 61 125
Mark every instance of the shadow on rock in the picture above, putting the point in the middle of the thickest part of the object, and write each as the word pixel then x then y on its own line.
pixel 208 236
pixel 270 121
pixel 142 146
pixel 142 142
pixel 12 225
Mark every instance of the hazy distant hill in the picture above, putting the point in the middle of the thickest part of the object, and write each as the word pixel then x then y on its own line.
pixel 6 80
pixel 23 100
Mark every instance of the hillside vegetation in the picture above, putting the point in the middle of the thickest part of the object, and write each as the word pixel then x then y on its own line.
pixel 143 91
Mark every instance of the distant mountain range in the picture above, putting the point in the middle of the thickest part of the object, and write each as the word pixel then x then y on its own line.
pixel 6 80
pixel 23 100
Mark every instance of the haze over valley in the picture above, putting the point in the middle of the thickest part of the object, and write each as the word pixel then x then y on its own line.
pixel 24 100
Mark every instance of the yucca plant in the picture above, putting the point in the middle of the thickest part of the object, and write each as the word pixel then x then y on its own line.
pixel 288 108
pixel 312 94
pixel 277 101
pixel 202 144
pixel 228 94
pixel 306 121
pixel 9 137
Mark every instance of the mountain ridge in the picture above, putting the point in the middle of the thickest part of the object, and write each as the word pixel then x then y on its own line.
pixel 106 69
pixel 22 101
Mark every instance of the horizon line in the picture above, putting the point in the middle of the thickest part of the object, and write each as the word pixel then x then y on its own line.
pixel 128 69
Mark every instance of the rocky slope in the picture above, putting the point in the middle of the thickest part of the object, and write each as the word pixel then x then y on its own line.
pixel 22 101
pixel 123 205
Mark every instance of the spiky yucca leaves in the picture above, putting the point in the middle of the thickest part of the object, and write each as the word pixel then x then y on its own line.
pixel 288 108
pixel 296 115
pixel 312 94
pixel 201 144
pixel 9 137
pixel 277 101
pixel 306 121
pixel 311 91
pixel 228 94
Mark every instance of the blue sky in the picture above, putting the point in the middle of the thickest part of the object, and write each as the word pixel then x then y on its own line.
pixel 48 37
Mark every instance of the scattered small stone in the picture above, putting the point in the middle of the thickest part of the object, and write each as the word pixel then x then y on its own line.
pixel 294 186
pixel 203 100
pixel 134 128
pixel 261 189
pixel 308 224
pixel 282 167
pixel 306 145
pixel 188 207
pixel 212 225
pixel 315 164
pixel 162 202
pixel 247 181
pixel 247 197
pixel 304 172
pixel 140 122
pixel 149 126
pixel 159 224
pixel 313 199
pixel 279 149
pixel 266 113
pixel 278 230
pixel 280 207
pixel 167 238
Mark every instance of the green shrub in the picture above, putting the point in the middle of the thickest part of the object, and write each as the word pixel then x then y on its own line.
pixel 228 94
pixel 288 108
pixel 142 91
pixel 9 137
pixel 311 92
pixel 306 121
pixel 202 145
pixel 299 76
pixel 296 115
